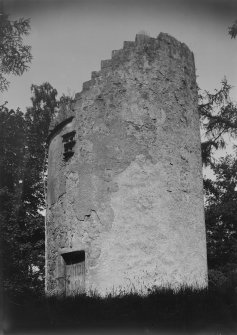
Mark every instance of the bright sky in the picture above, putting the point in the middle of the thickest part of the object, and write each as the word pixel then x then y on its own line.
pixel 69 38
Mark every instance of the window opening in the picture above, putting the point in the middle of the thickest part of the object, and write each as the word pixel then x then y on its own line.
pixel 69 142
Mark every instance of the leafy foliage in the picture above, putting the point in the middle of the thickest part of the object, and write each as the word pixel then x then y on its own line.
pixel 12 156
pixel 221 216
pixel 38 118
pixel 14 55
pixel 23 168
pixel 12 137
pixel 218 115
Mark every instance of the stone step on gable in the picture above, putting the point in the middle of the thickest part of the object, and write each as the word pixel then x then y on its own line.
pixel 95 74
pixel 87 85
pixel 128 44
pixel 105 63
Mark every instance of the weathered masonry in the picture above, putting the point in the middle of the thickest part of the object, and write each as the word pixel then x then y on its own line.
pixel 125 200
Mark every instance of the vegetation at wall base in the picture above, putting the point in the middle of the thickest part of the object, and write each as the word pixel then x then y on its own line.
pixel 188 310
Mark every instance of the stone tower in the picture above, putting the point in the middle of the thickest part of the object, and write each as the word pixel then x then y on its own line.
pixel 125 200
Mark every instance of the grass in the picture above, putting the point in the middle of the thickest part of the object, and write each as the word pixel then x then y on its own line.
pixel 212 311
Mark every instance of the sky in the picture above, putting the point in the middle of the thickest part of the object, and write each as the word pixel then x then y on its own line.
pixel 69 38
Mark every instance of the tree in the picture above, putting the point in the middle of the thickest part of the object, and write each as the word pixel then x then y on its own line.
pixel 12 147
pixel 14 55
pixel 221 216
pixel 22 163
pixel 218 116
pixel 38 118
pixel 12 138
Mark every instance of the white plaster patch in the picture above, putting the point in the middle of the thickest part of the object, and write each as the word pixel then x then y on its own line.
pixel 142 241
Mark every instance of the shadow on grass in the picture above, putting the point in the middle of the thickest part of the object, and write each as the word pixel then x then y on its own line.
pixel 212 311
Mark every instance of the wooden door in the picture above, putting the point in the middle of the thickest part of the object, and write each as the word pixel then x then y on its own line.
pixel 74 272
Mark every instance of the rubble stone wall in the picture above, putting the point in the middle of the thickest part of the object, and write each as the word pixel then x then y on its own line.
pixel 131 196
